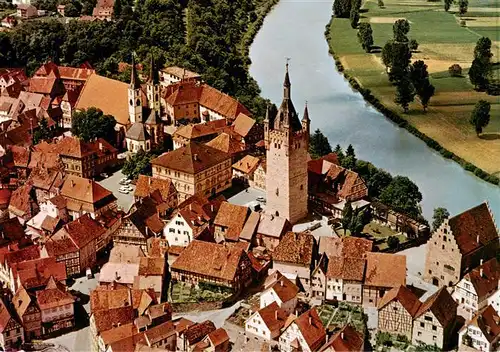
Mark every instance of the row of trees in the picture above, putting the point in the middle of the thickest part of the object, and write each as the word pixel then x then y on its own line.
pixel 399 192
pixel 480 70
pixel 410 79
pixel 208 44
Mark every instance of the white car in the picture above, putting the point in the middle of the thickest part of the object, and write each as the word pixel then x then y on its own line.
pixel 124 191
pixel 127 182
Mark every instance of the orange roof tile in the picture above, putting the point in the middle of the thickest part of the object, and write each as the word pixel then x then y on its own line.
pixel 232 217
pixel 485 278
pixel 247 165
pixel 385 270
pixel 146 185
pixel 273 316
pixel 54 295
pixel 81 189
pixel 226 143
pixel 442 306
pixel 312 328
pixel 346 339
pixel 295 248
pixel 404 296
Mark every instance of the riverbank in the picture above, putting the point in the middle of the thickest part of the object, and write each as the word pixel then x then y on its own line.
pixel 445 126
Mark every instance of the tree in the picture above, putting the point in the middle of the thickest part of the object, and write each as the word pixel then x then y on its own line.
pixel 482 50
pixel 92 123
pixel 339 152
pixel 138 164
pixel 365 36
pixel 342 8
pixel 400 30
pixel 319 145
pixel 440 214
pixel 413 45
pixel 378 181
pixel 354 13
pixel 393 242
pixel 420 79
pixel 349 161
pixel 447 5
pixel 480 117
pixel 347 216
pixel 387 54
pixel 405 93
pixel 72 9
pixel 43 132
pixel 380 3
pixel 402 195
pixel 455 70
pixel 117 9
pixel 400 61
pixel 478 74
pixel 359 219
pixel 463 6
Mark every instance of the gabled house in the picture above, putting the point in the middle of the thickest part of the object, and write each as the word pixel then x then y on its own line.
pixel 459 244
pixel 146 186
pixel 267 322
pixel 244 169
pixel 216 341
pixel 23 203
pixel 346 339
pixel 200 132
pixel 229 222
pixel 281 290
pixel 435 319
pixel 248 129
pixel 222 265
pixel 174 74
pixel 84 196
pixel 306 333
pixel 143 222
pixel 478 289
pixel 56 307
pixel 383 273
pixel 271 230
pixel 193 334
pixel 11 330
pixel 34 274
pixel 482 332
pixel 192 220
pixel 294 256
pixel 396 311
pixel 28 311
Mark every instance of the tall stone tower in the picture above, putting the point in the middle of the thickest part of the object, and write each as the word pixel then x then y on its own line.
pixel 287 143
pixel 134 97
pixel 153 88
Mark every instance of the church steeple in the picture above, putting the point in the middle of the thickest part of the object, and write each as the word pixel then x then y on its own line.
pixel 134 79
pixel 287 86
pixel 154 77
pixel 306 114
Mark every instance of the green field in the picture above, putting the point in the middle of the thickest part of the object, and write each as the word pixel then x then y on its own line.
pixel 442 42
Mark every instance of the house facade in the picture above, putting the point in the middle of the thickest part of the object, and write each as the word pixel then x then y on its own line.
pixel 11 331
pixel 482 332
pixel 267 322
pixel 306 333
pixel 459 244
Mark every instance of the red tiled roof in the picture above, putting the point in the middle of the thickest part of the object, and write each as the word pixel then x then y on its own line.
pixel 295 248
pixel 191 159
pixel 221 103
pixel 43 85
pixel 194 131
pixel 284 289
pixel 218 337
pixel 37 272
pixel 226 143
pixel 197 332
pixel 81 231
pixel 471 225
pixel 146 185
pixel 312 328
pixel 346 339
pixel 20 255
pixel 442 306
pixel 273 316
pixel 485 279
pixel 243 124
pixel 218 261
pixel 385 270
pixel 232 217
pixel 404 296
pixel 79 189
pixel 356 247
pixel 247 164
pixel 21 200
pixel 54 295
pixel 488 322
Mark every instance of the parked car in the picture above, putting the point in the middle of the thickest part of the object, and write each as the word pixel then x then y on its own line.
pixel 127 182
pixel 104 175
pixel 261 199
pixel 124 191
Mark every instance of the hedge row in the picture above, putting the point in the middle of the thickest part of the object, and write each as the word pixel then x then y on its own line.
pixel 401 122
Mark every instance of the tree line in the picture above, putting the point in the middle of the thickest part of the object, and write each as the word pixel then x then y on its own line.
pixel 207 44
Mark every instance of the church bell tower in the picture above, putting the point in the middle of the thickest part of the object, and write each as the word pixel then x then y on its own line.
pixel 134 96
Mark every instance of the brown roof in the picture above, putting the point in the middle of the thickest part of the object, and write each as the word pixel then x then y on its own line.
pixel 81 231
pixel 353 268
pixel 22 200
pixel 21 155
pixel 218 337
pixel 19 255
pixel 157 333
pixel 81 189
pixel 322 165
pixel 44 85
pixel 37 272
pixel 488 322
pixel 243 124
pixel 471 225
pixel 151 266
pixel 61 246
pixel 295 248
pixel 442 306
pixel 145 217
pixel 108 319
pixel 197 332
pixel 218 261
pixel 198 212
pixel 403 295
pixel 221 103
pixel 146 185
pixel 54 295
pixel 45 179
pixel 118 333
pixel 250 227
pixel 273 226
pixel 356 247
pixel 21 301
pixel 346 339
pixel 192 158
pixel 284 289
pixel 312 328
pixel 5 316
pixel 348 182
pixel 106 94
pixel 335 266
pixel 75 147
pixel 233 218
pixel 193 131
pixel 11 230
pixel 332 246
pixel 226 143
pixel 385 270
pixel 485 278
pixel 247 165
pixel 273 316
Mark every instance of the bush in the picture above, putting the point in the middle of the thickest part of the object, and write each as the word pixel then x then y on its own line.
pixel 493 179
pixel 463 23
pixel 393 242
pixel 384 339
pixel 480 173
pixel 455 70
pixel 381 4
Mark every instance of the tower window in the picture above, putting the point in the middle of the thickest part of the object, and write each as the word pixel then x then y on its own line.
pixel 277 191
pixel 277 213
pixel 137 102
pixel 301 187
pixel 131 102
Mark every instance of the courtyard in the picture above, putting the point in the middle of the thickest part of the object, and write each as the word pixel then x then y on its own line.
pixel 343 313
pixel 111 183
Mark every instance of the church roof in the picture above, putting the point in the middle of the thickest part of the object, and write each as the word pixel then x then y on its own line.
pixel 153 118
pixel 137 132
pixel 287 115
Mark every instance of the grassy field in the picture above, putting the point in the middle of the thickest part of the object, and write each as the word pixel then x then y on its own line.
pixel 443 42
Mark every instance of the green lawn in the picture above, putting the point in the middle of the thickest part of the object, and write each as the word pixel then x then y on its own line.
pixel 337 317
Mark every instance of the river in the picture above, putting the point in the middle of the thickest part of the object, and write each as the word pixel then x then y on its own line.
pixel 295 29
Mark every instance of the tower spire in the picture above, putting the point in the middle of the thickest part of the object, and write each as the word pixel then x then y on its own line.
pixel 306 114
pixel 286 84
pixel 153 72
pixel 267 113
pixel 134 80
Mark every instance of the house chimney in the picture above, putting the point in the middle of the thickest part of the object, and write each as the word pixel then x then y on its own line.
pixel 281 283
pixel 310 321
pixel 480 261
pixel 481 271
pixel 195 157
pixel 276 315
pixel 477 238
pixel 101 147
pixel 342 335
